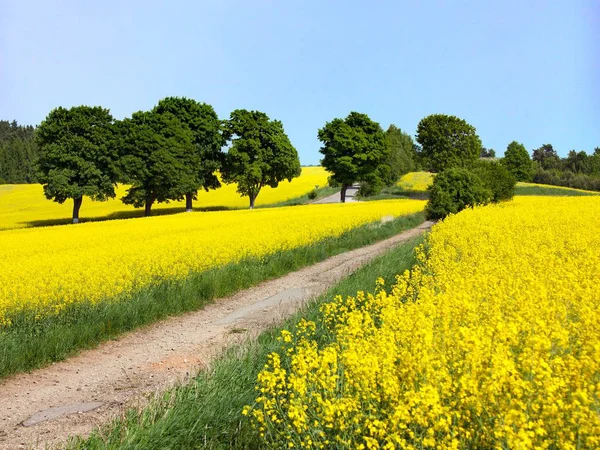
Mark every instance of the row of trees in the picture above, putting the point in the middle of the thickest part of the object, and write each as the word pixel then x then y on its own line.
pixel 18 153
pixel 165 154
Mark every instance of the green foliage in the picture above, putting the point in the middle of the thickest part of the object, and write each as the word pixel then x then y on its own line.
pixel 312 194
pixel 158 158
pixel 447 142
pixel 402 154
pixel 203 122
pixel 76 155
pixel 497 179
pixel 354 149
pixel 18 153
pixel 454 190
pixel 546 157
pixel 487 153
pixel 516 160
pixel 260 154
pixel 557 177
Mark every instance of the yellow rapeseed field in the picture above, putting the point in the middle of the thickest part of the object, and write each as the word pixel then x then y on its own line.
pixel 44 269
pixel 25 205
pixel 491 341
pixel 416 181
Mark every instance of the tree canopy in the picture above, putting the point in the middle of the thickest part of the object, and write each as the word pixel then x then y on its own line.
pixel 546 157
pixel 447 141
pixel 158 158
pixel 402 157
pixel 18 153
pixel 76 155
pixel 354 149
pixel 516 160
pixel 260 153
pixel 203 122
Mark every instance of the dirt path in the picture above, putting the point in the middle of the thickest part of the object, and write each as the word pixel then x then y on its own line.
pixel 335 198
pixel 73 396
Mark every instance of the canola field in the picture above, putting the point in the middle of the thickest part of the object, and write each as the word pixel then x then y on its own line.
pixel 24 205
pixel 415 181
pixel 491 341
pixel 43 270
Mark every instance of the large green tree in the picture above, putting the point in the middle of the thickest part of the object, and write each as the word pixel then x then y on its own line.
pixel 402 158
pixel 546 157
pixel 447 141
pixel 517 161
pixel 76 156
pixel 158 158
pixel 204 123
pixel 260 153
pixel 354 149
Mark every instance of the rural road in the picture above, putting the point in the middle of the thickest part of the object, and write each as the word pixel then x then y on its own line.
pixel 335 198
pixel 72 397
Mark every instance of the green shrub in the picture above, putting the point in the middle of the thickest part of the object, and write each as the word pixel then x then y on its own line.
pixel 497 178
pixel 454 190
pixel 312 194
pixel 331 182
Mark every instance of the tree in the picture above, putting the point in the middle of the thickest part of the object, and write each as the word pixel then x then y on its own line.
pixel 487 153
pixel 18 153
pixel 260 154
pixel 547 157
pixel 203 122
pixel 516 160
pixel 354 149
pixel 158 158
pixel 447 141
pixel 577 162
pixel 497 179
pixel 76 155
pixel 402 154
pixel 454 190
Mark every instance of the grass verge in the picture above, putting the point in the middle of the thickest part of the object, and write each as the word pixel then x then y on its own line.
pixel 30 343
pixel 206 413
pixel 551 191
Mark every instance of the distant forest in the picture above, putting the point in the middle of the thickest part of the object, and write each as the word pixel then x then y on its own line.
pixel 18 153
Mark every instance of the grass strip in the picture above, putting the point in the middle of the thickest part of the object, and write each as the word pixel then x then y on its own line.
pixel 551 191
pixel 31 343
pixel 206 413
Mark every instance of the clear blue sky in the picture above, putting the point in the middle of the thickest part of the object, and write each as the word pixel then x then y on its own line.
pixel 517 70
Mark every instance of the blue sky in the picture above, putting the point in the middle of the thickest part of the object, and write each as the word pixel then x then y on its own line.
pixel 516 70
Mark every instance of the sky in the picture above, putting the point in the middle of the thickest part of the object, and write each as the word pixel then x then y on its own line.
pixel 516 70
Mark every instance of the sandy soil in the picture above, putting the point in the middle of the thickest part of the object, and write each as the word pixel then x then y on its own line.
pixel 72 397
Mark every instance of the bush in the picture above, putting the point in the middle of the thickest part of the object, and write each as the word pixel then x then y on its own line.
pixel 454 190
pixel 557 177
pixel 331 182
pixel 497 179
pixel 312 194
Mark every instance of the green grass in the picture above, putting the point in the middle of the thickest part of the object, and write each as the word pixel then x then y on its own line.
pixel 29 343
pixel 206 412
pixel 395 193
pixel 551 191
pixel 304 199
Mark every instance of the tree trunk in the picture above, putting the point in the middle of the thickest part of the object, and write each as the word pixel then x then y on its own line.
pixel 148 207
pixel 76 206
pixel 343 192
pixel 252 200
pixel 188 202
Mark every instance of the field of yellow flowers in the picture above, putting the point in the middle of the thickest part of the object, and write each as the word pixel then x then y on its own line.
pixel 491 341
pixel 415 181
pixel 43 270
pixel 22 205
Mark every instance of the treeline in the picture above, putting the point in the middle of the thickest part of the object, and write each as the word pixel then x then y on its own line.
pixel 18 153
pixel 165 154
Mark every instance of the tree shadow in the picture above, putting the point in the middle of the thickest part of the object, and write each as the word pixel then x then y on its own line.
pixel 122 215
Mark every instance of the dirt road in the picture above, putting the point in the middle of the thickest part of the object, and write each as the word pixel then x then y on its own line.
pixel 73 396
